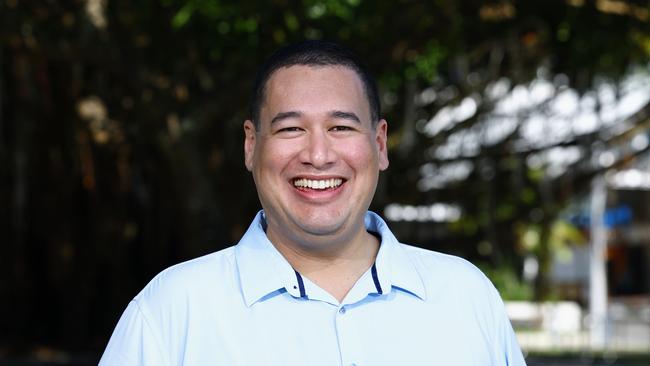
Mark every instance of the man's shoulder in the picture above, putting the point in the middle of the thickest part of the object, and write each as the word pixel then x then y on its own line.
pixel 440 267
pixel 463 285
pixel 211 271
pixel 438 259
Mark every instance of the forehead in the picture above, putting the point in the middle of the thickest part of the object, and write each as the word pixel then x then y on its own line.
pixel 315 89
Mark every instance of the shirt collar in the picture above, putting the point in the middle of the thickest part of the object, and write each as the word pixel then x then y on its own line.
pixel 263 270
pixel 394 266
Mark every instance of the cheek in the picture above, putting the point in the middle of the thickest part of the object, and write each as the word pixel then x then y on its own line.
pixel 359 154
pixel 273 157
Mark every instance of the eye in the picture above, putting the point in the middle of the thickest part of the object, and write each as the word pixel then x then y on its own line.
pixel 289 129
pixel 341 128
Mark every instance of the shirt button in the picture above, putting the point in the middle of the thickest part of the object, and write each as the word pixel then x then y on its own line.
pixel 342 311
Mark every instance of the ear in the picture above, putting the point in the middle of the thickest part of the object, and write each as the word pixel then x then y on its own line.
pixel 381 139
pixel 249 144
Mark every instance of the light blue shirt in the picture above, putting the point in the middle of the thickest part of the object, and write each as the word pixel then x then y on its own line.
pixel 245 305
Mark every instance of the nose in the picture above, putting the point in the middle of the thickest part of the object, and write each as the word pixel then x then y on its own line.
pixel 318 151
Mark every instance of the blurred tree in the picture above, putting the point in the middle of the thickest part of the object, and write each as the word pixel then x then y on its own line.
pixel 527 96
pixel 120 130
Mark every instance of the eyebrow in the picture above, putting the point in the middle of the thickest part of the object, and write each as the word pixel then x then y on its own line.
pixel 345 115
pixel 285 115
pixel 333 114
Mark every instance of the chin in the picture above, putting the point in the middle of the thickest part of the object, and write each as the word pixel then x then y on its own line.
pixel 321 227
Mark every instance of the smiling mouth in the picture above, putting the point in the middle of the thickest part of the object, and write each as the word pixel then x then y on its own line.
pixel 318 184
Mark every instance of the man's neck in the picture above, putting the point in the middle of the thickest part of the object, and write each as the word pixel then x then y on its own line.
pixel 336 265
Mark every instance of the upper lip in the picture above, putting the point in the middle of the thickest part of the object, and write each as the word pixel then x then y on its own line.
pixel 318 177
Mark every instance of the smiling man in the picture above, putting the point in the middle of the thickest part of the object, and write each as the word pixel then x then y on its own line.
pixel 316 279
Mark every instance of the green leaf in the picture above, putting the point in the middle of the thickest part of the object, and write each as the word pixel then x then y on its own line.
pixel 183 16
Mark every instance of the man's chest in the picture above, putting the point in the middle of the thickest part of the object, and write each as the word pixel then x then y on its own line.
pixel 288 331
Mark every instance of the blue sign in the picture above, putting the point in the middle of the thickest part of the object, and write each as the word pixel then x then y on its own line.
pixel 614 216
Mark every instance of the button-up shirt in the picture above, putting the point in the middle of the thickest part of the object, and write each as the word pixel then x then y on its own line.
pixel 246 305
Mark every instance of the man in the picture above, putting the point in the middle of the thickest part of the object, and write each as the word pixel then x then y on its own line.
pixel 316 279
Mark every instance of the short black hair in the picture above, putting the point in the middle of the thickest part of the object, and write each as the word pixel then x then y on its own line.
pixel 312 53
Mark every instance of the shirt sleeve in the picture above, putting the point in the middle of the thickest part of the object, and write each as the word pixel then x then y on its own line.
pixel 513 354
pixel 134 341
pixel 508 345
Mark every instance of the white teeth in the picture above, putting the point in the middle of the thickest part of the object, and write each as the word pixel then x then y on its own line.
pixel 317 184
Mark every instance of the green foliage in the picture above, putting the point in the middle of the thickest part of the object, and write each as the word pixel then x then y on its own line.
pixel 506 280
pixel 341 9
pixel 425 65
pixel 209 8
pixel 466 226
pixel 505 211
pixel 528 195
pixel 562 234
